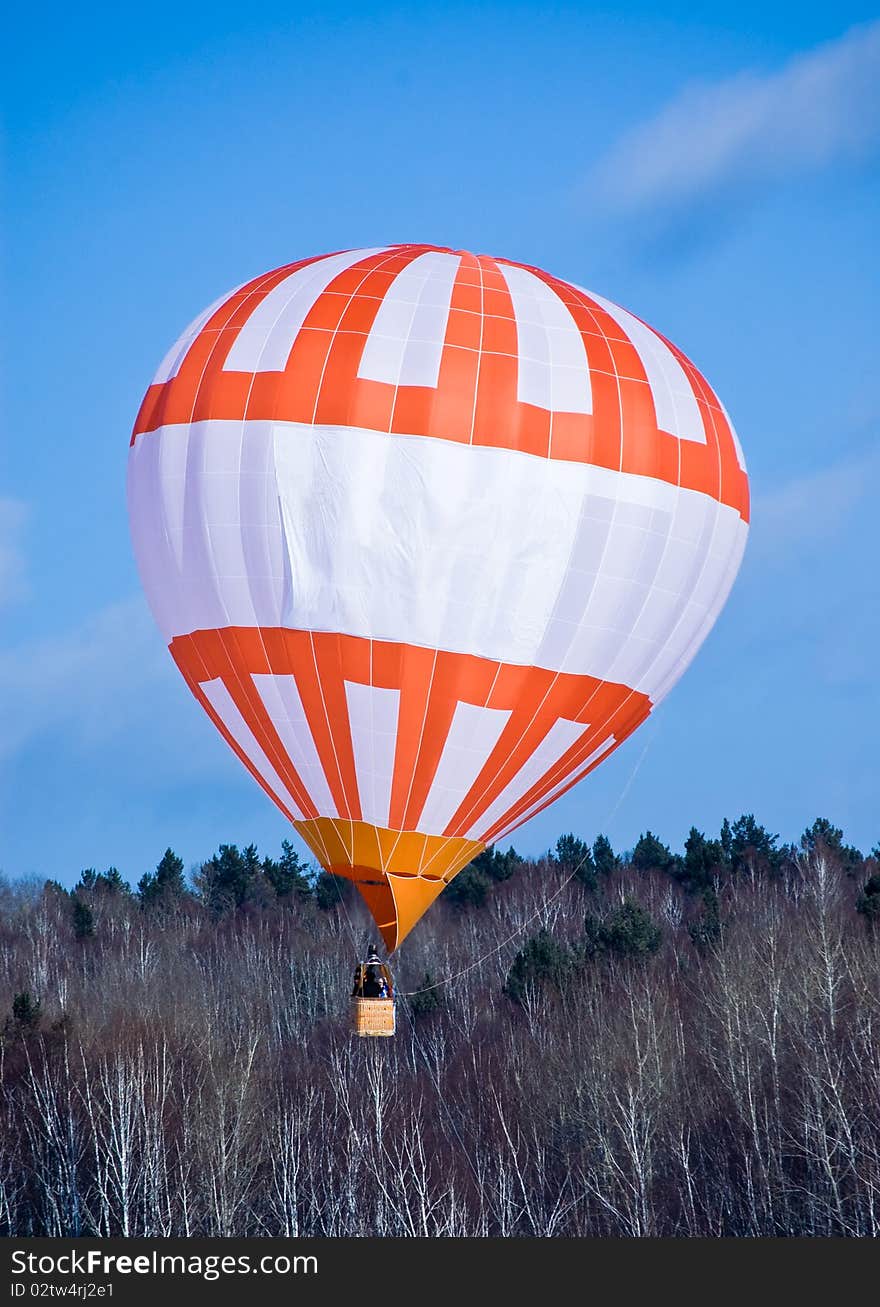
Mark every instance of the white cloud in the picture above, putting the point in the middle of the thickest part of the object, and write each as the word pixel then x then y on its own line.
pixel 809 612
pixel 86 680
pixel 106 685
pixel 12 566
pixel 811 509
pixel 822 107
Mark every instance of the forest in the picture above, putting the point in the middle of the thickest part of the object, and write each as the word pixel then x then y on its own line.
pixel 593 1043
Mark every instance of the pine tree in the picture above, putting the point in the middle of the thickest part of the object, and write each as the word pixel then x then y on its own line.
pixel 27 1011
pixel 288 875
pixel 541 962
pixel 111 882
pixel 427 998
pixel 469 889
pixel 496 865
pixel 166 885
pixel 227 879
pixel 605 860
pixel 169 874
pixel 748 847
pixel 651 854
pixel 332 891
pixel 705 929
pixel 83 918
pixel 103 882
pixel 591 941
pixel 868 902
pixel 823 837
pixel 702 860
pixel 629 932
pixel 574 857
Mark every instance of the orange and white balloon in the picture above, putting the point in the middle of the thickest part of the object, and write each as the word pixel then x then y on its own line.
pixel 429 534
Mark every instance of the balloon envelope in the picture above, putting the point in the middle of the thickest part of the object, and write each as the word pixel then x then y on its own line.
pixel 428 534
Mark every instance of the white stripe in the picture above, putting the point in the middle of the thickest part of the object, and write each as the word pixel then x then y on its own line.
pixel 405 344
pixel 473 734
pixel 224 705
pixel 281 697
pixel 372 715
pixel 740 456
pixel 264 342
pixel 552 368
pixel 558 740
pixel 170 365
pixel 675 403
pixel 687 638
pixel 472 549
pixel 580 771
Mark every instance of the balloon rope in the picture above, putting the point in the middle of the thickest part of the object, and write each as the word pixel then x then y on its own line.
pixel 545 905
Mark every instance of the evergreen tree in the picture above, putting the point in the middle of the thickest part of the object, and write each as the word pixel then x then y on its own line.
pixel 748 847
pixel 495 865
pixel 107 882
pixel 629 932
pixel 427 998
pixel 822 832
pixel 823 837
pixel 288 875
pixel 169 874
pixel 705 929
pixel 591 941
pixel 166 885
pixel 605 860
pixel 702 860
pixel 111 882
pixel 83 918
pixel 27 1011
pixel 651 854
pixel 541 962
pixel 227 879
pixel 331 891
pixel 469 889
pixel 574 857
pixel 868 902
pixel 252 865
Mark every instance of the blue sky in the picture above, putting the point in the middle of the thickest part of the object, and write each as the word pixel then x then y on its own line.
pixel 714 172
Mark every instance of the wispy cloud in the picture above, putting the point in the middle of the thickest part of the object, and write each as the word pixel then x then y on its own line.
pixel 806 512
pixel 109 686
pixel 87 681
pixel 821 108
pixel 13 515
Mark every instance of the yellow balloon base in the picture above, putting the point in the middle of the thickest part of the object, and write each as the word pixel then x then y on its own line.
pixel 399 873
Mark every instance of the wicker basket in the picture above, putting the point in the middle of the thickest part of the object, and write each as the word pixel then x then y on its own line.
pixel 372 1016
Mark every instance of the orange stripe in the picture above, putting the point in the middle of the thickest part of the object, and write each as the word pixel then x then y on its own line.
pixel 620 724
pixel 648 451
pixel 475 399
pixel 431 685
pixel 175 400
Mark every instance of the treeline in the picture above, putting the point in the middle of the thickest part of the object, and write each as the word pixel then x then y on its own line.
pixel 594 1042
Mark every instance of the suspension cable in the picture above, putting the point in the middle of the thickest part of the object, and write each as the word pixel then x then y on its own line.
pixel 411 993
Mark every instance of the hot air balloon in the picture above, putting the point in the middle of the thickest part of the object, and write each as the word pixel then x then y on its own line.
pixel 428 534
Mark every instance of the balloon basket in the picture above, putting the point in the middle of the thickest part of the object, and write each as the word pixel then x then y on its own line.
pixel 372 1017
